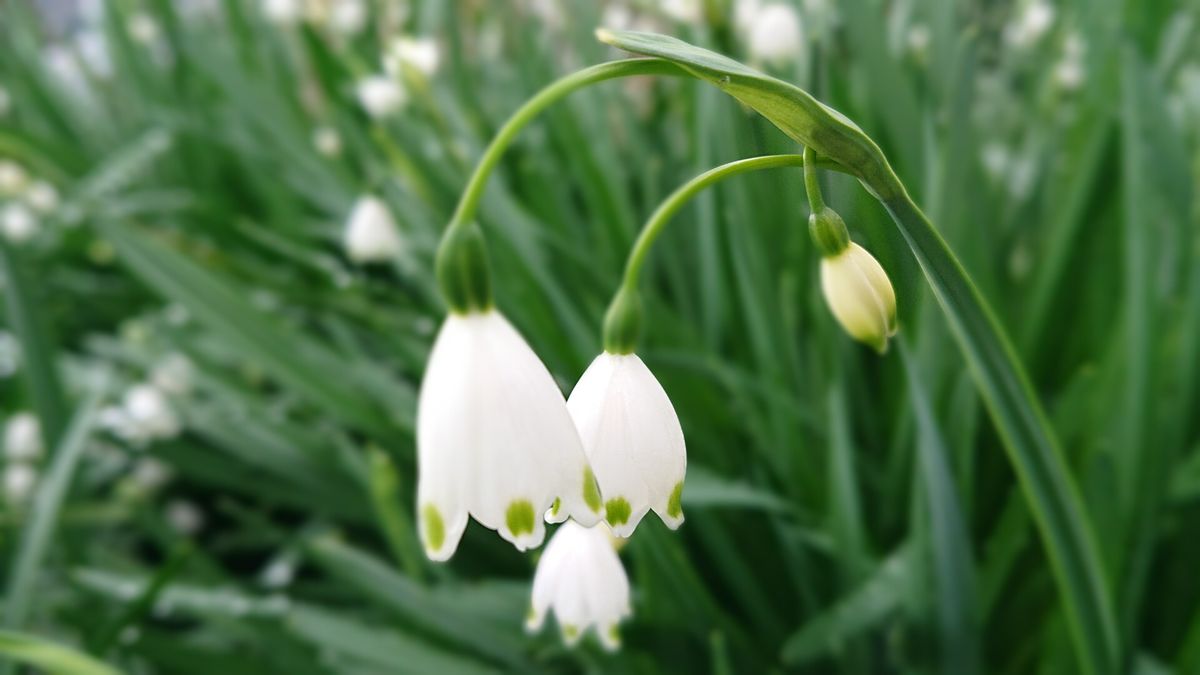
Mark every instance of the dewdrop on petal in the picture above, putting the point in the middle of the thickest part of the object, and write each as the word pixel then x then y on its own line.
pixel 371 233
pixel 580 578
pixel 860 295
pixel 380 95
pixel 17 223
pixel 775 34
pixel 23 438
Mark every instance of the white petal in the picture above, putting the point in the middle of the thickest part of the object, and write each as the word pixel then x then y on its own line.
pixel 632 438
pixel 581 579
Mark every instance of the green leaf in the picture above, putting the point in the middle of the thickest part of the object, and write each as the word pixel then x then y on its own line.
pixel 49 656
pixel 1033 450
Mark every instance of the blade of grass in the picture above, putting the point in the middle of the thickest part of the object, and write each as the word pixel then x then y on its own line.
pixel 49 656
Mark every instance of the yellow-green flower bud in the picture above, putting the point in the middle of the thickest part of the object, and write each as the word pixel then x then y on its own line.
pixel 860 295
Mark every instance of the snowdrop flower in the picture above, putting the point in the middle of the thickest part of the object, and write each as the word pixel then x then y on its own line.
pixel 327 141
pixel 13 178
pixel 581 579
pixel 632 439
pixel 371 234
pixel 42 197
pixel 415 53
pixel 19 481
pixel 173 375
pixel 142 28
pixel 23 438
pixel 1030 25
pixel 348 17
pixel 283 12
pixel 860 295
pixel 495 440
pixel 18 223
pixel 5 101
pixel 774 33
pixel 380 95
pixel 184 517
pixel 144 415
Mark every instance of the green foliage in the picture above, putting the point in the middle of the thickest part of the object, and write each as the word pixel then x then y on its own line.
pixel 845 512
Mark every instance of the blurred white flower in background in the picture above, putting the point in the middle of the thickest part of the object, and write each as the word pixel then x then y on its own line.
pixel 327 141
pixel 184 517
pixel 150 474
pixel 42 197
pixel 144 415
pixel 632 439
pixel 348 17
pixel 1069 72
pixel 142 28
pixel 380 95
pixel 773 32
pixel 13 178
pixel 917 40
pixel 18 223
pixel 10 354
pixel 92 47
pixel 23 438
pixel 996 159
pixel 495 440
pixel 19 481
pixel 371 234
pixel 419 54
pixel 1030 24
pixel 173 375
pixel 580 578
pixel 283 12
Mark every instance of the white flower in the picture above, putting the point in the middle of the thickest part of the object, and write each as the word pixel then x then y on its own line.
pixel 23 438
pixel 5 101
pixel 860 295
pixel 1069 74
pixel 918 39
pixel 283 12
pixel 1029 27
pixel 380 95
pixel 13 178
pixel 150 474
pixel 144 415
pixel 348 17
pixel 415 53
pixel 173 375
pixel 371 234
pixel 495 440
pixel 775 34
pixel 142 28
pixel 327 141
pixel 996 159
pixel 19 481
pixel 17 223
pixel 581 579
pixel 41 197
pixel 632 440
pixel 683 11
pixel 184 517
pixel 92 47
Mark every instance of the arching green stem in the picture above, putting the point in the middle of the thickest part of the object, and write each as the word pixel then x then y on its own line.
pixel 815 201
pixel 469 202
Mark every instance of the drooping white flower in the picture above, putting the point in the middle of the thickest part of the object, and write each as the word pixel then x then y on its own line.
pixel 19 481
pixel 775 34
pixel 13 178
pixel 419 54
pixel 348 17
pixel 371 234
pixel 17 223
pixel 283 12
pixel 632 439
pixel 860 295
pixel 23 438
pixel 42 197
pixel 144 415
pixel 380 95
pixel 327 141
pixel 580 578
pixel 173 375
pixel 495 440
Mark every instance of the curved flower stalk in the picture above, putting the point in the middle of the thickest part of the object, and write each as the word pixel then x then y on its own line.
pixel 580 579
pixel 494 439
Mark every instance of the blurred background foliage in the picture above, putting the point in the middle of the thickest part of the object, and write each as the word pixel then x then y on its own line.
pixel 226 399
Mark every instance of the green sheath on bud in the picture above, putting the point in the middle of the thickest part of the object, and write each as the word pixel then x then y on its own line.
pixel 462 269
pixel 623 322
pixel 828 232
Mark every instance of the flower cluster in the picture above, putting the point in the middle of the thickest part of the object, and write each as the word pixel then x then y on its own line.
pixel 24 201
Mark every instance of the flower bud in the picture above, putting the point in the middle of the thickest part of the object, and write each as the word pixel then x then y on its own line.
pixel 623 322
pixel 371 234
pixel 860 295
pixel 463 271
pixel 380 95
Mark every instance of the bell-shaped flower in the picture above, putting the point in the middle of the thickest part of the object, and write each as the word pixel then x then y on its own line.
pixel 380 95
pixel 632 439
pixel 860 295
pixel 581 579
pixel 371 234
pixel 23 438
pixel 145 415
pixel 495 440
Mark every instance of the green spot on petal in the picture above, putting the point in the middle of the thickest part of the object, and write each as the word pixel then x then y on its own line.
pixel 570 632
pixel 616 511
pixel 614 635
pixel 591 491
pixel 519 517
pixel 554 507
pixel 435 528
pixel 674 507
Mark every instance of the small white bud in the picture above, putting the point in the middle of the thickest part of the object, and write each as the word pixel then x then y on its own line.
pixel 327 141
pixel 23 438
pixel 18 223
pixel 371 233
pixel 380 95
pixel 860 295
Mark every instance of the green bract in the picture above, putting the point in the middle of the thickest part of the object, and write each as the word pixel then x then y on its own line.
pixel 462 269
pixel 623 322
